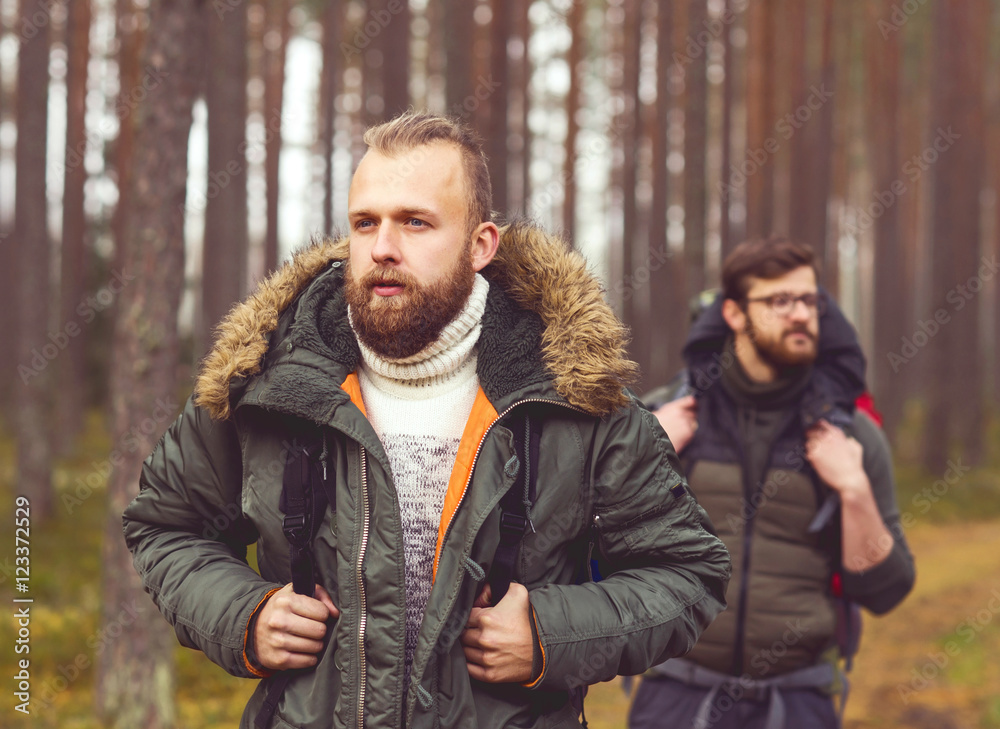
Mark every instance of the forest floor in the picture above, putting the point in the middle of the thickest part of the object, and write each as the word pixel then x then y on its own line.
pixel 930 663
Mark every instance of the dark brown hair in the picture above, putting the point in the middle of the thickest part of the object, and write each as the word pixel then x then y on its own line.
pixel 414 129
pixel 766 258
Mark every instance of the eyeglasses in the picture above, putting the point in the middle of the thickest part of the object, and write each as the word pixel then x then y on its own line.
pixel 784 304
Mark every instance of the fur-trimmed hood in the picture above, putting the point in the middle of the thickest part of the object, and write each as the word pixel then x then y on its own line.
pixel 583 344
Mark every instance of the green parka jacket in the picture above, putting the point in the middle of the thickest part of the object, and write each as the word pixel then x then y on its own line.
pixel 283 365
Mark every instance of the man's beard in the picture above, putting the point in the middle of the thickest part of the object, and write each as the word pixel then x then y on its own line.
pixel 774 351
pixel 396 327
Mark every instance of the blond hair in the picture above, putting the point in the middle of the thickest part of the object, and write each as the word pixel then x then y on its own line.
pixel 414 129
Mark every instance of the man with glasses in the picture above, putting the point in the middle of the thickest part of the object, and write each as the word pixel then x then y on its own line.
pixel 799 484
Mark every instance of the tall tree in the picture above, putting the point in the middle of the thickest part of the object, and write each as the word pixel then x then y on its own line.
pixel 501 31
pixel 395 47
pixel 819 150
pixel 665 292
pixel 760 118
pixel 882 105
pixel 332 20
pixel 135 674
pixel 129 35
pixel 524 97
pixel 955 387
pixel 574 58
pixel 695 148
pixel 276 35
pixel 8 284
pixel 224 251
pixel 629 128
pixel 72 371
pixel 34 348
pixel 726 233
pixel 458 40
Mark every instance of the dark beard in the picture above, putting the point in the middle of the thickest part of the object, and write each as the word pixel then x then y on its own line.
pixel 777 355
pixel 400 326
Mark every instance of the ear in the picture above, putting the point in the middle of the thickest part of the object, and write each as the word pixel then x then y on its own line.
pixel 486 239
pixel 735 316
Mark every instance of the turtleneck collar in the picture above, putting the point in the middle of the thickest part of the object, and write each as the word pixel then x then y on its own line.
pixel 780 393
pixel 444 362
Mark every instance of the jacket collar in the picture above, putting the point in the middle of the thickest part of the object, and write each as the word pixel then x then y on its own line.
pixel 547 332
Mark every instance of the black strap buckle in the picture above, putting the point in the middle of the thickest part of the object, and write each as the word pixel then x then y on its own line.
pixel 294 528
pixel 512 523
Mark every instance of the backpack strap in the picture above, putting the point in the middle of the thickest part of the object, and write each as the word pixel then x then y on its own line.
pixel 304 499
pixel 515 506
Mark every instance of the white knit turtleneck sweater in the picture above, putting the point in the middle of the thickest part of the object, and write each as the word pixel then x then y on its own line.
pixel 418 406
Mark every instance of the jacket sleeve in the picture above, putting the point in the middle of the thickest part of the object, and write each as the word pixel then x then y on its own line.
pixel 667 574
pixel 188 538
pixel 885 585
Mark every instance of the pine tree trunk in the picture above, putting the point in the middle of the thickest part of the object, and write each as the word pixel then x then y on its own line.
pixel 726 233
pixel 760 119
pixel 496 139
pixel 72 371
pixel 695 140
pixel 396 66
pixel 329 83
pixel 574 56
pixel 275 48
pixel 629 127
pixel 224 251
pixel 8 287
pixel 883 64
pixel 524 78
pixel 135 679
pixel 36 353
pixel 955 387
pixel 130 39
pixel 666 292
pixel 459 34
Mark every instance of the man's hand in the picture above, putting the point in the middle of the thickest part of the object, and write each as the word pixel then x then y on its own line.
pixel 679 419
pixel 839 461
pixel 497 640
pixel 290 628
pixel 837 458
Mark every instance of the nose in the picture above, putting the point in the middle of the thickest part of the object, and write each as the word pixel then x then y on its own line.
pixel 386 248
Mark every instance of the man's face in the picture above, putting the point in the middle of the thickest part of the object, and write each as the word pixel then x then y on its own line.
pixel 413 257
pixel 785 341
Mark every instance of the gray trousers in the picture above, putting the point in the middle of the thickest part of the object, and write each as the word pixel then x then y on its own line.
pixel 664 703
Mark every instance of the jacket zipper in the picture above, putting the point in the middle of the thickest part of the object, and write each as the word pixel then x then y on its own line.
pixel 475 458
pixel 363 618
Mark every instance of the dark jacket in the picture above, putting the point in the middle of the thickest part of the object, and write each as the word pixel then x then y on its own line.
pixel 283 366
pixel 746 465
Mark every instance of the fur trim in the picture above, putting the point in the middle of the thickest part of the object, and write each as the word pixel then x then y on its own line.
pixel 242 335
pixel 583 343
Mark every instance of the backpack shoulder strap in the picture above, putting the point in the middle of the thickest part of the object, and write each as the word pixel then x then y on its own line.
pixel 515 505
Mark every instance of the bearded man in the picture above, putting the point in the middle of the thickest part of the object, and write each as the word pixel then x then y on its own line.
pixel 425 429
pixel 807 510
